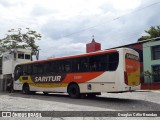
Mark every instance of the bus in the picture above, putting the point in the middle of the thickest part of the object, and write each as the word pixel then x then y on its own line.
pixel 90 74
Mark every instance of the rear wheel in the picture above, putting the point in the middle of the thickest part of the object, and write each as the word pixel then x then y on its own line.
pixel 73 91
pixel 26 89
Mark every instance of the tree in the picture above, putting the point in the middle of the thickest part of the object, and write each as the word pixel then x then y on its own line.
pixel 153 32
pixel 19 39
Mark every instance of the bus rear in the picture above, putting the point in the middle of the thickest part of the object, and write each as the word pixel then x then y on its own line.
pixel 132 70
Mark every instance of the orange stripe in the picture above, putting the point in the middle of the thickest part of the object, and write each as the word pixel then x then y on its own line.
pixel 81 77
pixel 132 65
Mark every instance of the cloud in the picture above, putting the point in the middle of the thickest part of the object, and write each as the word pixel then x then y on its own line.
pixel 6 3
pixel 109 31
pixel 67 25
pixel 60 48
pixel 40 10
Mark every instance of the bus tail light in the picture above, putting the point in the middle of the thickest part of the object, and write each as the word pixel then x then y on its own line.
pixel 125 78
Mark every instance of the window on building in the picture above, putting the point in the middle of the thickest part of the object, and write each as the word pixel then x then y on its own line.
pixel 156 73
pixel 21 56
pixel 156 52
pixel 27 56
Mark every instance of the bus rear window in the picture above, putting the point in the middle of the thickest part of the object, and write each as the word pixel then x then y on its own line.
pixel 131 56
pixel 113 61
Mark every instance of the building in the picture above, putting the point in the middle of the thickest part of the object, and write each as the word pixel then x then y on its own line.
pixel 151 61
pixel 149 51
pixel 8 61
pixel 93 46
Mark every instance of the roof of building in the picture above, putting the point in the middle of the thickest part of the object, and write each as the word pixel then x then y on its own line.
pixel 144 41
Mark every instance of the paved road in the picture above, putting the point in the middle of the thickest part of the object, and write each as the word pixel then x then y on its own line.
pixel 136 101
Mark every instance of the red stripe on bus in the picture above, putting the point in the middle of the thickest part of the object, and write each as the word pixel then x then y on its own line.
pixel 81 77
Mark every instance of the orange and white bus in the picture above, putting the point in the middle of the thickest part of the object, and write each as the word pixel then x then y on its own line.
pixel 115 70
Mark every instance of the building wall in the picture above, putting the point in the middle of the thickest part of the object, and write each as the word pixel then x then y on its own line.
pixel 8 60
pixel 144 48
pixel 7 66
pixel 149 63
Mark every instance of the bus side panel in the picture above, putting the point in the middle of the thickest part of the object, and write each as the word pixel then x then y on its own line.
pixel 97 87
pixel 49 88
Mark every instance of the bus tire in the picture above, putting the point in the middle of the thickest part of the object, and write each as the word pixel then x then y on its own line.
pixel 73 91
pixel 26 89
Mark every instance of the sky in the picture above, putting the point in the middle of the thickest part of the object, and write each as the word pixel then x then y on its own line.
pixel 67 26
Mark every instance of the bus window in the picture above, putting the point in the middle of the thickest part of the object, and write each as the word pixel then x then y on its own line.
pixel 93 62
pixel 83 67
pixel 37 69
pixel 75 65
pixel 40 69
pixel 113 61
pixel 29 70
pixel 60 66
pixel 47 67
pixel 54 67
pixel 67 65
pixel 102 63
pixel 99 63
pixel 25 72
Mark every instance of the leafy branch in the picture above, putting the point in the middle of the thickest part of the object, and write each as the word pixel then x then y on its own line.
pixel 21 39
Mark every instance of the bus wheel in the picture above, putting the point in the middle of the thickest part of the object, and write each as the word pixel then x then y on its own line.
pixel 73 91
pixel 25 89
